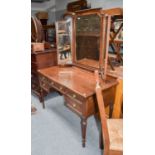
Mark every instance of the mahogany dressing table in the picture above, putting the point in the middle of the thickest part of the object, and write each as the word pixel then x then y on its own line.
pixel 88 40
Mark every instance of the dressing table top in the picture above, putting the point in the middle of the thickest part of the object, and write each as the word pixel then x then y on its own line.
pixel 76 79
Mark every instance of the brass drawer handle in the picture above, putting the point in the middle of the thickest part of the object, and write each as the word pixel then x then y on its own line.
pixel 74 105
pixel 52 83
pixel 74 96
pixel 43 78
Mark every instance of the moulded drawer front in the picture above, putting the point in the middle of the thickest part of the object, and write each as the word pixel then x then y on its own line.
pixel 35 87
pixel 67 92
pixel 74 96
pixel 58 87
pixel 45 86
pixel 71 103
pixel 44 83
pixel 43 79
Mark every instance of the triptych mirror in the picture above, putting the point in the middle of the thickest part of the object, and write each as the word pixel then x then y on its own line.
pixel 82 39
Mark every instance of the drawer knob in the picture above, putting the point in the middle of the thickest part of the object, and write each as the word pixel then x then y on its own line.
pixel 60 88
pixel 52 83
pixel 74 105
pixel 74 96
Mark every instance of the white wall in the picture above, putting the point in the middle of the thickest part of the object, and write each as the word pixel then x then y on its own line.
pixel 105 3
pixel 56 8
pixel 42 6
pixel 61 5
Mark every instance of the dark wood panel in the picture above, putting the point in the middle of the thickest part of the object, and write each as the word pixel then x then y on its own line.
pixel 40 60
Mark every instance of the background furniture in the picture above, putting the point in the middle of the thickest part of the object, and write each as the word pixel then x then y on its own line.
pixel 40 60
pixel 112 129
pixel 43 17
pixel 50 34
pixel 77 5
pixel 37 34
pixel 48 29
pixel 43 56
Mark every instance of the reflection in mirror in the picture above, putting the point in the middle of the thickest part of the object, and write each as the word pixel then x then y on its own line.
pixel 116 33
pixel 64 37
pixel 88 40
pixel 118 27
pixel 116 41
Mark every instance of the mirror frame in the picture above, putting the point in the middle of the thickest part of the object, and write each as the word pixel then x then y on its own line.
pixel 104 39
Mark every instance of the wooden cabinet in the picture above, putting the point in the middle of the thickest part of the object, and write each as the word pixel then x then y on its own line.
pixel 41 60
pixel 77 5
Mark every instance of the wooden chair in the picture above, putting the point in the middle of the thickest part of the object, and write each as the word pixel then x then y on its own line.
pixel 112 129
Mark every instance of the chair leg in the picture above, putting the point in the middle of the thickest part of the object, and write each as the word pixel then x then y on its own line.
pixel 110 110
pixel 101 141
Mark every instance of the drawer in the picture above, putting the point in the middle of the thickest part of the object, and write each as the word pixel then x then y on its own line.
pixel 44 59
pixel 67 92
pixel 73 105
pixel 75 96
pixel 43 79
pixel 45 86
pixel 44 83
pixel 58 87
pixel 35 87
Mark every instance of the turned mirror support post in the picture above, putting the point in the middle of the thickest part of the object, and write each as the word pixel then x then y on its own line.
pixel 107 46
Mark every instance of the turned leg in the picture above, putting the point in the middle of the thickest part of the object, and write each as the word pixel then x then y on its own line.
pixel 83 129
pixel 101 141
pixel 42 98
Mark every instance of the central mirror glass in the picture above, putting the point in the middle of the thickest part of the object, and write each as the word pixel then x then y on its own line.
pixel 88 40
